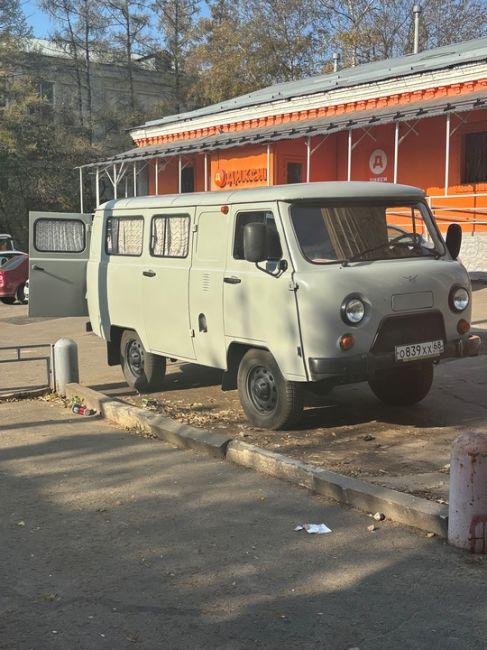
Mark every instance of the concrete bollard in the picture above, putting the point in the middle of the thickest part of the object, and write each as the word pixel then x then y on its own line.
pixel 65 364
pixel 467 517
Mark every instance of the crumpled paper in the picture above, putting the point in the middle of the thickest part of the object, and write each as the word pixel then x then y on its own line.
pixel 318 529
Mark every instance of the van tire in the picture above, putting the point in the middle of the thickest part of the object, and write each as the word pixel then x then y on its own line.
pixel 268 400
pixel 403 386
pixel 143 371
pixel 21 295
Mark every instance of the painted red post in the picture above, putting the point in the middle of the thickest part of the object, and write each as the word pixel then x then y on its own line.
pixel 467 517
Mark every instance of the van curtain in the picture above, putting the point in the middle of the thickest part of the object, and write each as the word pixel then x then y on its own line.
pixel 353 229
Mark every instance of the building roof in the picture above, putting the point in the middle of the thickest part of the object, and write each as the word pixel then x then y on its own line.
pixel 450 56
pixel 320 126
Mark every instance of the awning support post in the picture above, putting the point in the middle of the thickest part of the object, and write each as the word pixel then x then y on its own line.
pixel 349 170
pixel 97 186
pixel 81 189
pixel 268 164
pixel 134 171
pixel 156 172
pixel 447 152
pixel 180 168
pixel 308 158
pixel 115 182
pixel 206 172
pixel 396 149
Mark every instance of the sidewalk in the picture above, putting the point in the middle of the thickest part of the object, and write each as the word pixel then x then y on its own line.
pixel 114 541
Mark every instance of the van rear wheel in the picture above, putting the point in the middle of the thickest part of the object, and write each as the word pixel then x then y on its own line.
pixel 268 400
pixel 403 386
pixel 8 300
pixel 143 371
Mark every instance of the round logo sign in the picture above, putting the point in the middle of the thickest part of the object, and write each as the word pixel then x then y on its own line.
pixel 378 161
pixel 220 178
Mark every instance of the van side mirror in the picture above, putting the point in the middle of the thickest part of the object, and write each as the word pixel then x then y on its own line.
pixel 255 242
pixel 454 239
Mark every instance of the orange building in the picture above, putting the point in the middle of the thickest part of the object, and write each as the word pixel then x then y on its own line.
pixel 420 119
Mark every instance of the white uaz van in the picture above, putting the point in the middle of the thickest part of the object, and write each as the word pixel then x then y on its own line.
pixel 286 287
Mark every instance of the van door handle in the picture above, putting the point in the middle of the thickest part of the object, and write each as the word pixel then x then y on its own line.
pixel 35 267
pixel 232 280
pixel 148 274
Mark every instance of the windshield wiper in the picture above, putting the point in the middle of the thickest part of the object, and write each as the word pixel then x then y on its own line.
pixel 357 256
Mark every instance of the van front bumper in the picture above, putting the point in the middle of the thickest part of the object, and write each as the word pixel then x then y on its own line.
pixel 359 367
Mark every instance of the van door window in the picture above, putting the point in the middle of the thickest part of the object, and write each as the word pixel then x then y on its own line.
pixel 59 236
pixel 170 235
pixel 264 216
pixel 123 236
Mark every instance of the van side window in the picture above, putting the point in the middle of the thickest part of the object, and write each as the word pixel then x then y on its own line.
pixel 123 236
pixel 243 218
pixel 59 236
pixel 170 235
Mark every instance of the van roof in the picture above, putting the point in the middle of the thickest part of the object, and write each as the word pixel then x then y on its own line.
pixel 341 190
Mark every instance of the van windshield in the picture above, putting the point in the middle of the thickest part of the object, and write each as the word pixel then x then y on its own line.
pixel 364 232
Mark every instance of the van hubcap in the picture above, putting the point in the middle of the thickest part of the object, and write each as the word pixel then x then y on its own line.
pixel 262 389
pixel 135 356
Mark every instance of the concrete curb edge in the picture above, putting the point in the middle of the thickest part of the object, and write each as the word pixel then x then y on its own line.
pixel 369 497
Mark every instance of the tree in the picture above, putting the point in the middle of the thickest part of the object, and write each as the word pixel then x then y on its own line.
pixel 176 20
pixel 283 44
pixel 80 29
pixel 130 37
pixel 12 20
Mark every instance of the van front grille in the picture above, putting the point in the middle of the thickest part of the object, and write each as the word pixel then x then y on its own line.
pixel 402 330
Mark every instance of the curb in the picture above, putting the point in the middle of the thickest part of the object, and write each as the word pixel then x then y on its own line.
pixel 397 506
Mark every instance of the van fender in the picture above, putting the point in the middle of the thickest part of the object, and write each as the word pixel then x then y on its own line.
pixel 113 345
pixel 235 354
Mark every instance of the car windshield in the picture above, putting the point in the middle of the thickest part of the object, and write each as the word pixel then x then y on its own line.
pixel 364 232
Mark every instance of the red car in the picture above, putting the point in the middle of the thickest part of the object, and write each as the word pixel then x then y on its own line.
pixel 14 271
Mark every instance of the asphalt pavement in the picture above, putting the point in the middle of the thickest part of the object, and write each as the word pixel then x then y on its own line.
pixel 110 540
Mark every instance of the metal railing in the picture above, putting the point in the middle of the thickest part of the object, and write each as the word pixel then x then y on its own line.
pixel 26 353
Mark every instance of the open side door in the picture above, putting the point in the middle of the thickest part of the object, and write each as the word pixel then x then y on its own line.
pixel 59 245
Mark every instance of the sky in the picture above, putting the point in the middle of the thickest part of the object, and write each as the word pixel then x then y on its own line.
pixel 36 18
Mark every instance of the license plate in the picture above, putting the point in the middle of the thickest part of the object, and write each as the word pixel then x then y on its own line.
pixel 419 350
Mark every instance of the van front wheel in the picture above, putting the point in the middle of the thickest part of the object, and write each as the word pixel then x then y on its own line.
pixel 143 371
pixel 403 386
pixel 268 400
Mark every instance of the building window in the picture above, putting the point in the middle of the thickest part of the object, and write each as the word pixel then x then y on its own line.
pixel 46 91
pixel 123 236
pixel 294 173
pixel 59 236
pixel 243 218
pixel 187 179
pixel 475 165
pixel 170 236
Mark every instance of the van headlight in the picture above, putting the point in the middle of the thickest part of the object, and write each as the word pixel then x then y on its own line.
pixel 353 310
pixel 459 299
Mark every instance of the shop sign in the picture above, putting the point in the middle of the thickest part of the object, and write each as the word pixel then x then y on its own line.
pixel 378 164
pixel 238 177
